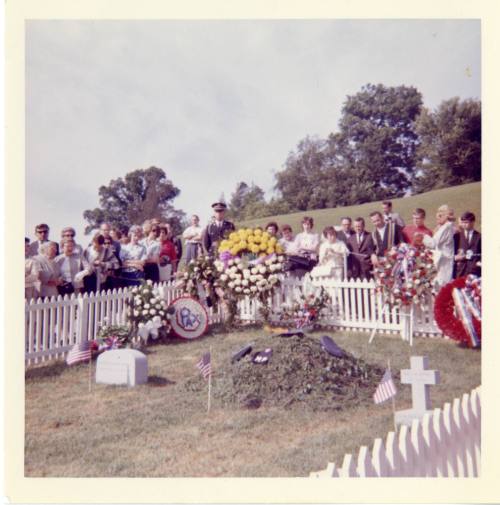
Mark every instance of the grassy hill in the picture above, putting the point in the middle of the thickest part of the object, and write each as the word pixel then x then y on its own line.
pixel 459 198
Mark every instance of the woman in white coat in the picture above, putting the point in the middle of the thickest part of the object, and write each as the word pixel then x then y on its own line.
pixel 443 246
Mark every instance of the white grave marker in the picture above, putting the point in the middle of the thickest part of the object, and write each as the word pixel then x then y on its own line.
pixel 420 379
pixel 122 367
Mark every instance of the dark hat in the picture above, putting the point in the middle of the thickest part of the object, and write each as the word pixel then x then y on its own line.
pixel 331 347
pixel 241 353
pixel 262 357
pixel 219 206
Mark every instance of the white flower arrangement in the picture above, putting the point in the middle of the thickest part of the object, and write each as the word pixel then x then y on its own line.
pixel 146 305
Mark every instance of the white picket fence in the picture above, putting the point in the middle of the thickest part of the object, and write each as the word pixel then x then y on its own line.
pixel 53 325
pixel 445 443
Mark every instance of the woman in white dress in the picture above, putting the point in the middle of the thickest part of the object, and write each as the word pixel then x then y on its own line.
pixel 443 246
pixel 307 243
pixel 332 254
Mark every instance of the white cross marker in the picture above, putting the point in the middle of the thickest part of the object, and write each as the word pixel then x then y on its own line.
pixel 420 379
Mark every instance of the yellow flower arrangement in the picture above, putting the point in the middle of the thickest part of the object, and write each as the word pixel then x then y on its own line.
pixel 250 241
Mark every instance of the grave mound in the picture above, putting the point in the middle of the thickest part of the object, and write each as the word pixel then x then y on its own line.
pixel 299 372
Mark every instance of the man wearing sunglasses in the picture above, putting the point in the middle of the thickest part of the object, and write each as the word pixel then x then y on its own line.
pixel 42 236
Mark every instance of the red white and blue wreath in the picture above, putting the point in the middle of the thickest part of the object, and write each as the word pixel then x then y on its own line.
pixel 405 275
pixel 457 310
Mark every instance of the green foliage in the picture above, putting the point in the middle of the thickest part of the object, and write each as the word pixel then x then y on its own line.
pixel 247 201
pixel 140 195
pixel 371 157
pixel 377 139
pixel 450 145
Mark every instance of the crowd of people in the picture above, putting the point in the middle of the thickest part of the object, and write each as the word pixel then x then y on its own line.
pixel 115 259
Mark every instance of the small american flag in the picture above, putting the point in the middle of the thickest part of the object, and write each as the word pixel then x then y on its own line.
pixel 79 352
pixel 204 365
pixel 386 389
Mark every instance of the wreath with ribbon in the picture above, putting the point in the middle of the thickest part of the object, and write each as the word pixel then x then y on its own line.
pixel 457 310
pixel 405 275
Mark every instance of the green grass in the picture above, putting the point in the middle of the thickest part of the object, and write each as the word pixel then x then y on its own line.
pixel 161 429
pixel 459 198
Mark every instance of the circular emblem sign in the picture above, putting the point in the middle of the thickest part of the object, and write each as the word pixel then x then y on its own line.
pixel 190 319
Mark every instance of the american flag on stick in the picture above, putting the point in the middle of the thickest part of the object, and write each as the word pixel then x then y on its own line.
pixel 204 365
pixel 386 389
pixel 79 352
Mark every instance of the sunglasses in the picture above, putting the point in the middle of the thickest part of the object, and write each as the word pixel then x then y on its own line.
pixel 42 231
pixel 69 235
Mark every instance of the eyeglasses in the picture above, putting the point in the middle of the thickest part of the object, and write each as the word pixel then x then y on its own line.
pixel 42 231
pixel 68 235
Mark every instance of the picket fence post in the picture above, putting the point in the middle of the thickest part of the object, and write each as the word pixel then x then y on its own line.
pixel 444 443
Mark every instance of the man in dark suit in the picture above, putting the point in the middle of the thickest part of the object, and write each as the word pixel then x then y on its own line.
pixel 386 234
pixel 345 229
pixel 361 247
pixel 217 230
pixel 467 247
pixel 42 236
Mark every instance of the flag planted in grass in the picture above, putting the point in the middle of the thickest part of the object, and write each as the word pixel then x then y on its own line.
pixel 204 365
pixel 80 352
pixel 386 389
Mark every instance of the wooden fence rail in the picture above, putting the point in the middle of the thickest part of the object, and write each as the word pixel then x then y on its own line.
pixel 53 325
pixel 445 443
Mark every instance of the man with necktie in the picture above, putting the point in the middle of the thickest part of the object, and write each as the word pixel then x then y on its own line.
pixel 386 234
pixel 467 247
pixel 217 230
pixel 361 247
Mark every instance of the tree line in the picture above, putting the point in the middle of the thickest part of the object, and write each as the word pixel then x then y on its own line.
pixel 387 145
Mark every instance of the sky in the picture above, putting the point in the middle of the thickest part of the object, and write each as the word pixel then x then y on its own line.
pixel 212 103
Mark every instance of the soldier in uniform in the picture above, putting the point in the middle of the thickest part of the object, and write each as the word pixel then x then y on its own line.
pixel 218 229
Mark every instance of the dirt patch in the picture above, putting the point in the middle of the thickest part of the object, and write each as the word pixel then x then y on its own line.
pixel 299 371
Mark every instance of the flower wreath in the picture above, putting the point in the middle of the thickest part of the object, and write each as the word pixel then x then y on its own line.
pixel 445 310
pixel 405 275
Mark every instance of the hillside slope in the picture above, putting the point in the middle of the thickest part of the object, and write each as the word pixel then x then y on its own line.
pixel 459 198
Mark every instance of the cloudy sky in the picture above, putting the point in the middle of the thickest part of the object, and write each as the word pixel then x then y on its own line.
pixel 210 102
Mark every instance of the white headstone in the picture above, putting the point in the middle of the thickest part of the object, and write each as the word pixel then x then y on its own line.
pixel 420 379
pixel 122 367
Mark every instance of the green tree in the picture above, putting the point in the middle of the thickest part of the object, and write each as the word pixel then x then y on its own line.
pixel 140 195
pixel 247 202
pixel 377 141
pixel 301 182
pixel 450 150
